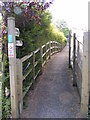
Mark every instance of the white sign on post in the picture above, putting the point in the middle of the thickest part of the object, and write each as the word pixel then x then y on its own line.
pixel 10 50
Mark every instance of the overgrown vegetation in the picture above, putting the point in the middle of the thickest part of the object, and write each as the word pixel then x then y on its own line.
pixel 34 36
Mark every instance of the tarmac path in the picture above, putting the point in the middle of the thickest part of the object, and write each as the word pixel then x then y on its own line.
pixel 54 95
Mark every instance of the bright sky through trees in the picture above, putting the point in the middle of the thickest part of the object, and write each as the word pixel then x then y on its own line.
pixel 74 12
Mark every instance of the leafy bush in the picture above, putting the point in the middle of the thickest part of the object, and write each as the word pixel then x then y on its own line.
pixel 34 36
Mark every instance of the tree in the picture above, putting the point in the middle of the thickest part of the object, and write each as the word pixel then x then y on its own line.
pixel 24 12
pixel 27 9
pixel 34 36
pixel 62 26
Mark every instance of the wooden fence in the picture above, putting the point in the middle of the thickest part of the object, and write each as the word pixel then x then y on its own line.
pixel 30 66
pixel 79 62
pixel 28 69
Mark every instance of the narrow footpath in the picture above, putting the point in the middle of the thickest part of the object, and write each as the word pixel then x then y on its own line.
pixel 54 95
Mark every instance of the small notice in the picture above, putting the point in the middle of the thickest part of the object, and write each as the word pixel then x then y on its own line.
pixel 10 38
pixel 19 43
pixel 10 50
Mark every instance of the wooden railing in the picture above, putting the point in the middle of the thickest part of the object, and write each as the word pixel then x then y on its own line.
pixel 30 66
pixel 76 62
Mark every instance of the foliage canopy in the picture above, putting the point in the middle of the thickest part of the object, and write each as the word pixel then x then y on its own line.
pixel 62 26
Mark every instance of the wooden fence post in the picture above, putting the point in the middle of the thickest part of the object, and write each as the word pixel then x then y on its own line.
pixel 74 57
pixel 54 47
pixel 12 67
pixel 59 48
pixel 78 49
pixel 85 76
pixel 19 85
pixel 41 53
pixel 69 49
pixel 50 49
pixel 46 52
pixel 33 67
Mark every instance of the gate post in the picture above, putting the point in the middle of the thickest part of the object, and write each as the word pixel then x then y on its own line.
pixel 12 66
pixel 85 76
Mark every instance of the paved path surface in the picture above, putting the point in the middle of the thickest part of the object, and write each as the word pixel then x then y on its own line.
pixel 54 96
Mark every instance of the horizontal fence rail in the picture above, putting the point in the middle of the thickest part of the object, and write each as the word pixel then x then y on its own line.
pixel 30 67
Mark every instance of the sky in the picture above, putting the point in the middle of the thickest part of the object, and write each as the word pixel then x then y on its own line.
pixel 74 12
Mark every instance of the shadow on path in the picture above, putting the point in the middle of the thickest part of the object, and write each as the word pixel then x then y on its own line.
pixel 54 95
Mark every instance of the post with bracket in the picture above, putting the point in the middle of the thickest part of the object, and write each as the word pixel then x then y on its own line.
pixel 12 67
